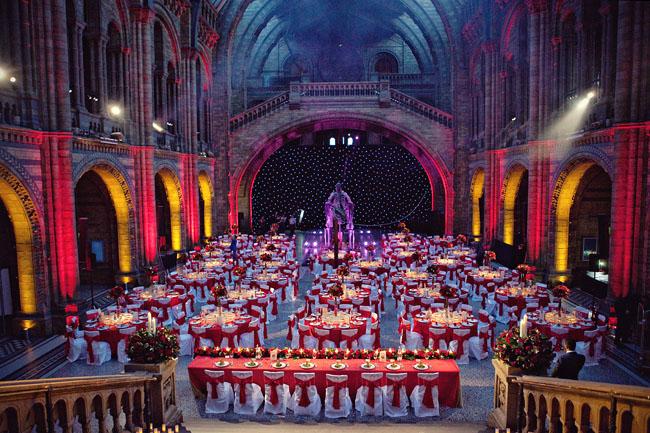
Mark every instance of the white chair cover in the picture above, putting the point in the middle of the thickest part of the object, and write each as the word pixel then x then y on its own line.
pixel 345 403
pixel 417 397
pixel 254 397
pixel 388 397
pixel 361 400
pixel 280 408
pixel 77 347
pixel 121 345
pixel 101 350
pixel 314 406
pixel 224 395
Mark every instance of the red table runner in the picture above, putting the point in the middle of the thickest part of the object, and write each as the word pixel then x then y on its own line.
pixel 449 390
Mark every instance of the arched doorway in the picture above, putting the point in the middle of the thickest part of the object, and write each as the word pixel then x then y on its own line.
pixel 17 238
pixel 582 211
pixel 168 210
pixel 103 217
pixel 246 167
pixel 205 204
pixel 515 206
pixel 477 195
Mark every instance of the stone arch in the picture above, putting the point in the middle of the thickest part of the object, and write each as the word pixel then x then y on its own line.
pixel 476 193
pixel 25 218
pixel 175 198
pixel 206 191
pixel 566 185
pixel 511 185
pixel 119 189
pixel 246 168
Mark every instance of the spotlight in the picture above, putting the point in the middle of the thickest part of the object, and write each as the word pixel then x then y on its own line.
pixel 591 94
pixel 115 110
pixel 513 119
pixel 157 127
pixel 12 79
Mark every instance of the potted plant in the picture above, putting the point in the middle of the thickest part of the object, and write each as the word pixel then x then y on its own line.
pixel 514 355
pixel 154 351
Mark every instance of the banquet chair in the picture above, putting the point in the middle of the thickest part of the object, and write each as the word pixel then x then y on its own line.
pixel 247 395
pixel 219 392
pixel 125 333
pixel 208 308
pixel 75 346
pixel 276 393
pixel 92 314
pixel 229 336
pixel 558 335
pixel 502 315
pixel 185 340
pixel 438 339
pixel 424 397
pixel 603 330
pixel 479 344
pixel 394 397
pixel 322 336
pixel 588 346
pixel 337 396
pixel 251 338
pixel 305 399
pixel 368 400
pixel 202 334
pixel 98 351
pixel 349 339
pixel 371 338
pixel 467 308
pixel 306 341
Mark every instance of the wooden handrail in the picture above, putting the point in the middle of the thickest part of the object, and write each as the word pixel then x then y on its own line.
pixel 567 386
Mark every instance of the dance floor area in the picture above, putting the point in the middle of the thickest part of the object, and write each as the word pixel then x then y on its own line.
pixel 476 377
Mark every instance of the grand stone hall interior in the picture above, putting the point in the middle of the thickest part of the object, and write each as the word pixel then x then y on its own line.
pixel 303 215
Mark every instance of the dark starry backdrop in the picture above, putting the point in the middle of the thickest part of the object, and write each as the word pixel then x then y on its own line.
pixel 386 183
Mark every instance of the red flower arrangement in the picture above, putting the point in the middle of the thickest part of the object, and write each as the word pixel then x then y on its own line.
pixel 488 256
pixel 196 255
pixel 461 239
pixel 432 270
pixel 561 291
pixel 239 271
pixel 448 292
pixel 370 248
pixel 259 239
pixel 402 227
pixel 531 353
pixel 348 257
pixel 71 309
pixel 343 271
pixel 116 292
pixel 209 248
pixel 234 228
pixel 146 347
pixel 288 353
pixel 417 257
pixel 151 272
pixel 270 247
pixel 266 257
pixel 273 230
pixel 336 290
pixel 219 291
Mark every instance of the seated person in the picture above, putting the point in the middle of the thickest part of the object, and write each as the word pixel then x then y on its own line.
pixel 569 364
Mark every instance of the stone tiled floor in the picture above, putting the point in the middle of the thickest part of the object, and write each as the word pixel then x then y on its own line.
pixel 476 378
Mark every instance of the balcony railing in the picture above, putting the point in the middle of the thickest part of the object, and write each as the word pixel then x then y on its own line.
pixel 554 405
pixel 260 110
pixel 75 404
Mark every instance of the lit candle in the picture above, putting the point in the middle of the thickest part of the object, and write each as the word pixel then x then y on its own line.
pixel 163 428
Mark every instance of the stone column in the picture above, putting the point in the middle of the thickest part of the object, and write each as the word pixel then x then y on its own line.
pixel 624 61
pixel 535 8
pixel 143 157
pixel 141 76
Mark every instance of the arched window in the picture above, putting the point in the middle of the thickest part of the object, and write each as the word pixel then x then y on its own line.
pixel 172 99
pixel 90 45
pixel 158 71
pixel 386 63
pixel 568 74
pixel 114 66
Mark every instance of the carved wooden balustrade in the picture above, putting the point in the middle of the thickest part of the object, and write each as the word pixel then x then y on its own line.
pixel 559 405
pixel 99 404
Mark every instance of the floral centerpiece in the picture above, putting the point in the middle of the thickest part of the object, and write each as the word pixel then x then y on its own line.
pixel 270 247
pixel 402 227
pixel 418 257
pixel 432 270
pixel 219 291
pixel 532 352
pixel 151 274
pixel 273 230
pixel 209 248
pixel 488 257
pixel 234 229
pixel 526 272
pixel 371 250
pixel 196 254
pixel 239 272
pixel 336 290
pixel 342 271
pixel 560 292
pixel 118 295
pixel 461 239
pixel 147 347
pixel 348 257
pixel 447 292
pixel 266 257
pixel 288 353
pixel 259 239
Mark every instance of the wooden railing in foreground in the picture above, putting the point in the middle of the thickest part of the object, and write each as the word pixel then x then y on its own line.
pixel 559 405
pixel 99 404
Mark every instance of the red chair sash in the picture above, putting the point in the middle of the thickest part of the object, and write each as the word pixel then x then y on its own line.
pixel 427 399
pixel 214 384
pixel 436 339
pixel 68 336
pixel 336 397
pixel 304 395
pixel 398 384
pixel 242 382
pixel 273 385
pixel 461 339
pixel 89 346
pixel 372 385
pixel 291 323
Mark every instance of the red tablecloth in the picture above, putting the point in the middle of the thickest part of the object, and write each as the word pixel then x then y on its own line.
pixel 449 391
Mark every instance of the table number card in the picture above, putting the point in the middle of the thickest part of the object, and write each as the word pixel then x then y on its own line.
pixel 382 356
pixel 274 355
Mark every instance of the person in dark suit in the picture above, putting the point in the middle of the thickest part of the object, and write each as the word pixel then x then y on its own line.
pixel 569 365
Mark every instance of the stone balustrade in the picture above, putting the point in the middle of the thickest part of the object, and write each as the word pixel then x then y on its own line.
pixel 76 404
pixel 558 405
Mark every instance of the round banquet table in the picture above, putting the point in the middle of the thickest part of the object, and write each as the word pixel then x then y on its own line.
pixel 449 391
pixel 148 299
pixel 361 295
pixel 450 322
pixel 517 297
pixel 214 323
pixel 109 327
pixel 576 326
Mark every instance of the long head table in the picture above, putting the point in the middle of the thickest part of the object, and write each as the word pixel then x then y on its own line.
pixel 449 392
